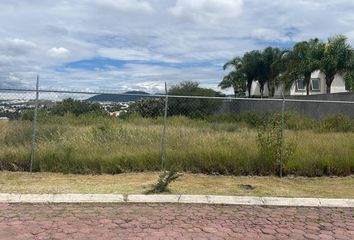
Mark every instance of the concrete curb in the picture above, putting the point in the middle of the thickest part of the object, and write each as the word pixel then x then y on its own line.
pixel 196 199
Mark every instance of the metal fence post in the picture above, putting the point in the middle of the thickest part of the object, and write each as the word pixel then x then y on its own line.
pixel 163 138
pixel 34 129
pixel 282 136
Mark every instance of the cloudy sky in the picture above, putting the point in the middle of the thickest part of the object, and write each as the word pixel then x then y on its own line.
pixel 139 44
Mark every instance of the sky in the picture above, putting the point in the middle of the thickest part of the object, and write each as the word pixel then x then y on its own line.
pixel 121 45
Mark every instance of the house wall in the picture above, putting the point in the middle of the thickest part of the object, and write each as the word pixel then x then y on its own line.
pixel 255 89
pixel 337 86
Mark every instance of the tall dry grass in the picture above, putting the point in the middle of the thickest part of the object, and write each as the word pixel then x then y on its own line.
pixel 98 145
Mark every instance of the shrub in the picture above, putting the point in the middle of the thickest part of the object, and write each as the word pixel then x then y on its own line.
pixel 28 115
pixel 336 123
pixel 193 108
pixel 269 140
pixel 11 115
pixel 296 121
pixel 148 108
pixel 164 180
pixel 76 107
pixel 254 119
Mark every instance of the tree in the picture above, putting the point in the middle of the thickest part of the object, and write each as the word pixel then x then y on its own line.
pixel 247 67
pixel 272 67
pixel 254 68
pixel 337 58
pixel 236 80
pixel 302 61
pixel 193 107
pixel 349 81
pixel 76 107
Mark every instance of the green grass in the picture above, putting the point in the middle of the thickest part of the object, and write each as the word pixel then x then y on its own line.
pixel 138 183
pixel 98 145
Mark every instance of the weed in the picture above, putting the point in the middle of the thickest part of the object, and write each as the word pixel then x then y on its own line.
pixel 164 180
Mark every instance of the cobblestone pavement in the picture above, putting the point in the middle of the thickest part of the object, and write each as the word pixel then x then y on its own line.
pixel 172 221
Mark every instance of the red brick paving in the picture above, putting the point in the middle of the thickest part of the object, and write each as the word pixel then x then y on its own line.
pixel 172 221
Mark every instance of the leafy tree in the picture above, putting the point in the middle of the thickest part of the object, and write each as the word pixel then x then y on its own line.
pixel 337 59
pixel 193 107
pixel 302 60
pixel 76 107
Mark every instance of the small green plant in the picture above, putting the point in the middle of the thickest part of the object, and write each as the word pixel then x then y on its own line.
pixel 269 139
pixel 164 180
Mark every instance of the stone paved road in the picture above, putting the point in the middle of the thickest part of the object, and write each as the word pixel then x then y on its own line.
pixel 169 221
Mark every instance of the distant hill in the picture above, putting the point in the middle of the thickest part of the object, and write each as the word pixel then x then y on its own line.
pixel 138 95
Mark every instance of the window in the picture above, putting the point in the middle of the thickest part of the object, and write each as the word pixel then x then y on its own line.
pixel 315 84
pixel 300 85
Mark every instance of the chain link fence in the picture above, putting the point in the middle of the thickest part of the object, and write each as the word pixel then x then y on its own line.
pixel 90 132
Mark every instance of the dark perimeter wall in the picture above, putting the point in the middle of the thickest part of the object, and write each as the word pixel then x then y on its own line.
pixel 315 110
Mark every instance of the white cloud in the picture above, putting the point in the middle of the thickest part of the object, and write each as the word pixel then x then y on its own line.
pixel 58 52
pixel 126 5
pixel 16 47
pixel 207 10
pixel 177 39
pixel 130 54
pixel 269 35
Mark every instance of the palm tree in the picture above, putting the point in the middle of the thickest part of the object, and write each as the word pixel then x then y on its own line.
pixel 264 66
pixel 273 66
pixel 236 80
pixel 338 55
pixel 302 60
pixel 349 76
pixel 253 67
pixel 239 72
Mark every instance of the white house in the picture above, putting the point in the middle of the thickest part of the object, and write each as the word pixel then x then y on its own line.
pixel 317 86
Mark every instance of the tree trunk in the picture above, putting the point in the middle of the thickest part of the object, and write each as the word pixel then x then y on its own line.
pixel 261 89
pixel 249 85
pixel 307 80
pixel 235 91
pixel 271 88
pixel 329 80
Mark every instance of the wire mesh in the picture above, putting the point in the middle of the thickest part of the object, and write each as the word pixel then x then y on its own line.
pixel 91 132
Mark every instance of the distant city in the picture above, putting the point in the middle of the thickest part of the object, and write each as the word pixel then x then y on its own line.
pixel 115 105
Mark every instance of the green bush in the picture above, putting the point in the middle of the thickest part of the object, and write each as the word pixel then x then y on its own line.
pixel 164 180
pixel 148 108
pixel 269 140
pixel 336 123
pixel 296 121
pixel 76 107
pixel 193 107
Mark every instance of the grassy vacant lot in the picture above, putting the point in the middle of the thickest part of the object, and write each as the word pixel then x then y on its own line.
pixel 98 145
pixel 138 183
